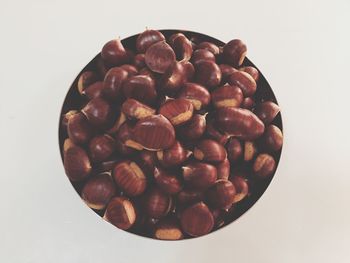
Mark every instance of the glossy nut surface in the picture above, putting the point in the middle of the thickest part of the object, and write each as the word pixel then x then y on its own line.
pixel 159 57
pixel 193 129
pixel 197 94
pixel 209 151
pixel 249 150
pixel 134 109
pixel 98 111
pixel 202 55
pixel 94 90
pixel 264 165
pixel 223 169
pixel 113 81
pixel 272 138
pixel 173 78
pixel 113 53
pixel 234 52
pixel 208 74
pixel 141 88
pixel 221 194
pixel 199 175
pixel 101 147
pixel 241 186
pixel 226 71
pixel 244 81
pixel 182 46
pixel 167 181
pixel 157 204
pixel 227 96
pixel 234 150
pixel 209 46
pixel 251 71
pixel 79 129
pixel 76 163
pixel 85 80
pixel 147 39
pixel 267 111
pixel 121 213
pixel 168 229
pixel 175 155
pixel 177 111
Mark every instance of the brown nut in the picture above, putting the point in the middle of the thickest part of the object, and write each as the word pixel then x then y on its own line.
pixel 148 161
pixel 141 88
pixel 157 204
pixel 240 123
pixel 234 52
pixel 147 72
pixel 223 169
pixel 113 53
pixel 199 175
pixel 67 116
pixel 147 39
pixel 209 151
pixel 79 129
pixel 234 150
pixel 177 111
pixel 121 213
pixel 202 55
pixel 267 111
pixel 188 69
pixel 85 80
pixel 134 109
pixel 215 134
pixel 139 61
pixel 248 103
pixel 193 129
pixel 264 165
pixel 159 57
pixel 221 194
pixel 244 81
pixel 131 69
pixel 175 155
pixel 173 78
pixel 251 71
pixel 101 147
pixel 272 139
pixel 227 96
pixel 208 74
pixel 168 229
pixel 167 181
pixel 119 121
pixel 98 190
pixel 219 217
pixel 154 133
pixel 182 46
pixel 226 71
pixel 249 151
pixel 189 196
pixel 98 112
pixel 241 186
pixel 108 165
pixel 197 220
pixel 197 94
pixel 210 47
pixel 130 178
pixel 76 163
pixel 94 90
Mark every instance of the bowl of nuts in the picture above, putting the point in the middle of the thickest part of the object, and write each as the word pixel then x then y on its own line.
pixel 170 134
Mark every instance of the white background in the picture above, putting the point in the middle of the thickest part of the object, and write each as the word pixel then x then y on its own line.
pixel 301 46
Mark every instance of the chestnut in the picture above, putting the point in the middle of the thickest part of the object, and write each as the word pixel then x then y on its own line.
pixel 113 53
pixel 188 69
pixel 199 175
pixel 234 150
pixel 197 220
pixel 94 90
pixel 193 129
pixel 272 138
pixel 208 74
pixel 119 121
pixel 251 71
pixel 159 57
pixel 121 213
pixel 221 194
pixel 249 151
pixel 189 196
pixel 264 165
pixel 141 88
pixel 167 181
pixel 168 229
pixel 98 112
pixel 134 109
pixel 226 71
pixel 175 155
pixel 67 116
pixel 177 111
pixel 209 46
pixel 79 129
pixel 147 39
pixel 131 69
pixel 202 55
pixel 173 78
pixel 98 190
pixel 240 123
pixel 85 80
pixel 209 151
pixel 124 143
pixel 223 169
pixel 248 103
pixel 157 204
pixel 227 96
pixel 197 94
pixel 215 134
pixel 76 163
pixel 148 161
pixel 139 61
pixel 234 52
pixel 130 178
pixel 113 81
pixel 244 81
pixel 267 111
pixel 182 46
pixel 101 147
pixel 241 186
pixel 108 165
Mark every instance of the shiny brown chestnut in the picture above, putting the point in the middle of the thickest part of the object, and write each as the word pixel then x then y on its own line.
pixel 193 129
pixel 147 72
pixel 188 69
pixel 159 57
pixel 130 178
pixel 154 133
pixel 189 196
pixel 234 52
pixel 98 112
pixel 79 129
pixel 197 94
pixel 226 71
pixel 177 111
pixel 209 46
pixel 124 143
pixel 147 39
pixel 139 61
pixel 168 229
pixel 98 190
pixel 272 139
pixel 131 69
pixel 76 162
pixel 223 169
pixel 85 80
pixel 175 155
pixel 241 186
pixel 240 123
pixel 182 46
pixel 227 96
pixel 250 151
pixel 197 220
pixel 94 90
pixel 101 147
pixel 113 53
pixel 215 134
pixel 157 204
pixel 120 212
pixel 108 165
pixel 134 109
pixel 221 194
pixel 209 151
pixel 202 55
pixel 234 150
pixel 119 121
pixel 264 165
pixel 244 81
pixel 199 175
pixel 141 88
pixel 167 181
pixel 67 116
pixel 248 103
pixel 113 82
pixel 251 71
pixel 148 161
pixel 208 74
pixel 173 78
pixel 267 111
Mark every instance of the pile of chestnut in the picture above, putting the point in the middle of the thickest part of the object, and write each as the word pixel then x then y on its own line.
pixel 170 137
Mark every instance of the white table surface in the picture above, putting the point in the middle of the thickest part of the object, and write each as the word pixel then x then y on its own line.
pixel 302 47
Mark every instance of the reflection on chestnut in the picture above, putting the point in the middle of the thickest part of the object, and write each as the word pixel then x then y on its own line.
pixel 76 163
pixel 147 39
pixel 264 165
pixel 159 57
pixel 79 129
pixel 234 52
pixel 121 213
pixel 101 147
pixel 114 53
pixel 221 194
pixel 208 73
pixel 98 112
pixel 157 204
